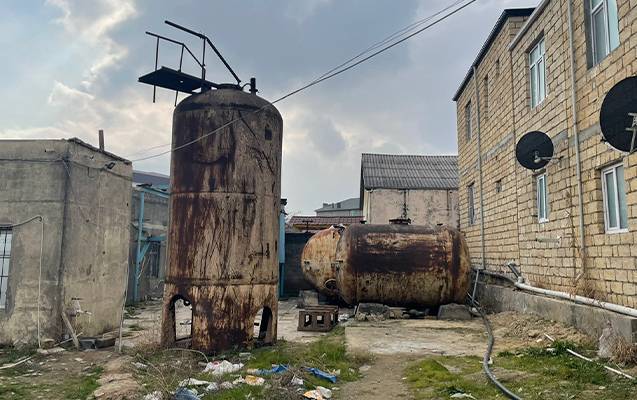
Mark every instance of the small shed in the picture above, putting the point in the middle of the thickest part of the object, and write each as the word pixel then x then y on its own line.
pixel 422 188
pixel 64 235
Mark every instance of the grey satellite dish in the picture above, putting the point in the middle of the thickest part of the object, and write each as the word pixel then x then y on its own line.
pixel 618 115
pixel 534 150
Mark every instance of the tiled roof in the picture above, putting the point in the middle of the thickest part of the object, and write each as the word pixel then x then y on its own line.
pixel 389 171
pixel 302 220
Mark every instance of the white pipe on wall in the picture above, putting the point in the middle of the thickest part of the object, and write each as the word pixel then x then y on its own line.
pixel 579 299
pixel 578 169
pixel 478 134
pixel 562 295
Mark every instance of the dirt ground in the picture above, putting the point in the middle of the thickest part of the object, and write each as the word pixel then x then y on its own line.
pixel 397 343
pixel 393 344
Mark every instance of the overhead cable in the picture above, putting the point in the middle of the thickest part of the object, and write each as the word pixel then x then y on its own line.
pixel 324 77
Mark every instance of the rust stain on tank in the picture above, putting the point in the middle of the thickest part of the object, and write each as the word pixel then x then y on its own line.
pixel 224 218
pixel 404 265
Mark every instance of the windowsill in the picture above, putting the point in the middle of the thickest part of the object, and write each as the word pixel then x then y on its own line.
pixel 600 62
pixel 542 221
pixel 614 231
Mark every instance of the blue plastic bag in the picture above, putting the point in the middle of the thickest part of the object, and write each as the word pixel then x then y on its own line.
pixel 322 374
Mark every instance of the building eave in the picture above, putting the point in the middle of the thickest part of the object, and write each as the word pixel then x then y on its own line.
pixel 527 24
pixel 506 14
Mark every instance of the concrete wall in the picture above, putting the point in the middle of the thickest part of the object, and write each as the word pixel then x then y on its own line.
pixel 85 248
pixel 424 207
pixel 155 224
pixel 294 280
pixel 608 268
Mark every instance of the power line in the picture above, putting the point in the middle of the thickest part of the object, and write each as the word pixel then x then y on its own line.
pixel 374 46
pixel 394 35
pixel 333 73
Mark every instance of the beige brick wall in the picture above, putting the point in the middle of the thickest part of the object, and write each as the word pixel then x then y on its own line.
pixel 498 156
pixel 548 253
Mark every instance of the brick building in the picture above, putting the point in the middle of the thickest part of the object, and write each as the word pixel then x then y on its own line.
pixel 522 81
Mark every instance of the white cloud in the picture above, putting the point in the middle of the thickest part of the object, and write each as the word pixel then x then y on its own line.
pixel 62 94
pixel 92 22
pixel 132 123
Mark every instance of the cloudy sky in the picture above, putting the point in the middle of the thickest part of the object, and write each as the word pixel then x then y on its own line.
pixel 70 67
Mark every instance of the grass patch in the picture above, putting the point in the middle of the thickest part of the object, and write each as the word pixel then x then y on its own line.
pixel 135 328
pixel 80 387
pixel 166 369
pixel 71 388
pixel 533 374
pixel 9 355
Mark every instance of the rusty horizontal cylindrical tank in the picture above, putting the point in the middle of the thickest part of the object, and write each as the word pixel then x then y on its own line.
pixel 402 265
pixel 399 265
pixel 224 212
pixel 317 260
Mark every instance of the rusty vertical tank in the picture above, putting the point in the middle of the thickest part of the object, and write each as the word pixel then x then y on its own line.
pixel 224 210
pixel 402 265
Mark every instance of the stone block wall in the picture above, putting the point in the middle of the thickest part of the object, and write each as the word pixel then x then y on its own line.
pixel 549 253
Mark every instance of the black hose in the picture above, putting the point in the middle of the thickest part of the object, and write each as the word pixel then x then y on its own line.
pixel 496 275
pixel 491 341
pixel 487 356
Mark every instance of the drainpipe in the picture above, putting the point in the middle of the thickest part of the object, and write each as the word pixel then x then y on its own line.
pixel 580 196
pixel 520 284
pixel 138 258
pixel 475 79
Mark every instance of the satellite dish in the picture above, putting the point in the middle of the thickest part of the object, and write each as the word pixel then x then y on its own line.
pixel 534 150
pixel 618 115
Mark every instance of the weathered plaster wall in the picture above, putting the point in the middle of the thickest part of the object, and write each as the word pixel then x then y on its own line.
pixel 96 244
pixel 32 182
pixel 85 248
pixel 424 207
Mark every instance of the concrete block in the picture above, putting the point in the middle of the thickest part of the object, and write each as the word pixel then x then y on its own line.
pixel 372 312
pixel 587 319
pixel 454 312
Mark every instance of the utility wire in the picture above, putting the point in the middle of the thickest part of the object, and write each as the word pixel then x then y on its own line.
pixel 394 35
pixel 319 80
pixel 372 47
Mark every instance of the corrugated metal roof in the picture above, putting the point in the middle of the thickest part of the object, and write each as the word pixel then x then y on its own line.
pixel 390 171
pixel 151 178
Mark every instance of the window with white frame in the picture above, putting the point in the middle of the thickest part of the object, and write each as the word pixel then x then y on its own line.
pixel 615 211
pixel 467 121
pixel 604 28
pixel 470 204
pixel 5 255
pixel 537 73
pixel 542 199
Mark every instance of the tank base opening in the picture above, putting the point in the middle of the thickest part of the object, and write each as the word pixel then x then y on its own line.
pixel 263 327
pixel 182 314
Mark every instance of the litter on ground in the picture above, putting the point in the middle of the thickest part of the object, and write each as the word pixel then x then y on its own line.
pixel 222 367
